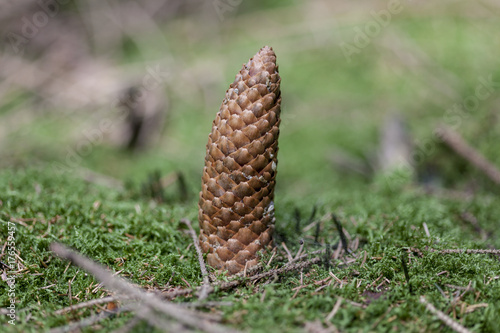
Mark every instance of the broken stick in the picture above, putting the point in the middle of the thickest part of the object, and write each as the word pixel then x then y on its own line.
pixel 152 303
pixel 462 148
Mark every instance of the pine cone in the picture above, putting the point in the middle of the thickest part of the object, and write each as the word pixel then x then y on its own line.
pixel 236 208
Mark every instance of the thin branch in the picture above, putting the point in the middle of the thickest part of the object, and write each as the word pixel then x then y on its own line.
pixel 300 249
pixel 405 270
pixel 179 292
pixel 443 317
pixel 225 285
pixel 88 304
pixel 152 302
pixel 282 270
pixel 468 288
pixel 336 308
pixel 239 279
pixel 462 148
pixel 305 255
pixel 205 304
pixel 343 238
pixel 481 251
pixel 288 253
pixel 272 257
pixel 206 289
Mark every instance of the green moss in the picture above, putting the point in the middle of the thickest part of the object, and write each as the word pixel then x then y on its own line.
pixel 146 243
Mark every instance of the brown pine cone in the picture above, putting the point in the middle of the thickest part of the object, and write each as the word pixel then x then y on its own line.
pixel 236 208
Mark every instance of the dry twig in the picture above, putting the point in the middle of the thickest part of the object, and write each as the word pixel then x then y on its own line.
pixel 481 251
pixel 152 305
pixel 443 317
pixel 462 148
pixel 87 304
pixel 205 289
pixel 236 282
pixel 336 308
pixel 288 253
pixel 285 269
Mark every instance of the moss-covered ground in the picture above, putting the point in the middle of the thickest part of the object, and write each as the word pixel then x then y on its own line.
pixel 146 243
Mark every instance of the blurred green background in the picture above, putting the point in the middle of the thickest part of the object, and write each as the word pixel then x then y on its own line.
pixel 346 68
